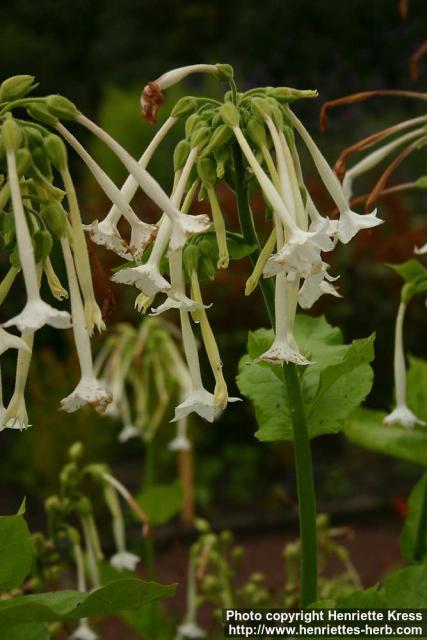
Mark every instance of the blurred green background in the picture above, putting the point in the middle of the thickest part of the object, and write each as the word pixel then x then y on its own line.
pixel 101 54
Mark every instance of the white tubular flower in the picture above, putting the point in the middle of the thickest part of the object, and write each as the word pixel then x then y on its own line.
pixel 419 251
pixel 315 286
pixel 350 222
pixel 123 559
pixel 189 628
pixel 54 283
pixel 198 400
pixel 182 226
pixel 401 414
pixel 146 277
pixel 284 348
pixel 84 632
pixel 130 186
pixel 181 441
pixel 319 222
pixel 16 416
pixel 106 234
pixel 141 233
pixel 36 313
pixel 89 390
pixel 374 158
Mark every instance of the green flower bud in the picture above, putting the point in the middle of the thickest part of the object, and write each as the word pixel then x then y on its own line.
pixel 56 151
pixel 225 72
pixel 42 242
pixel 191 257
pixel 52 503
pixel 206 170
pixel 75 452
pixel 256 132
pixel 407 292
pixel 421 183
pixel 287 94
pixel 230 114
pixel 55 218
pixel 185 107
pixel 84 507
pixel 41 113
pixel 23 161
pixel 41 161
pixel 8 229
pixel 61 107
pixel 220 137
pixel 200 137
pixel 222 156
pixel 34 136
pixel 16 87
pixel 180 154
pixel 261 108
pixel 12 135
pixel 191 123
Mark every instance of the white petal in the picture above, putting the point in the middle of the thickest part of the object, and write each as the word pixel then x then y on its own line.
pixel 180 443
pixel 186 226
pixel 419 251
pixel 191 630
pixel 124 560
pixel 404 416
pixel 105 234
pixel 84 632
pixel 146 277
pixel 88 391
pixel 281 352
pixel 200 402
pixel 178 301
pixel 350 223
pixel 38 313
pixel 142 234
pixel 129 431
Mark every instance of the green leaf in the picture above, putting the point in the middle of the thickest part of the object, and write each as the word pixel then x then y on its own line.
pixel 37 631
pixel 119 595
pixel 413 541
pixel 336 382
pixel 366 428
pixel 406 588
pixel 411 270
pixel 416 387
pixel 161 502
pixel 16 551
pixel 370 598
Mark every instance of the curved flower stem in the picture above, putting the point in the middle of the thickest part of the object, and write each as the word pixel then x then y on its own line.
pixel 302 450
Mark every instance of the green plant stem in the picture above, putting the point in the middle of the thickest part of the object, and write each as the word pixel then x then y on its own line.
pixel 302 449
pixel 149 480
pixel 420 541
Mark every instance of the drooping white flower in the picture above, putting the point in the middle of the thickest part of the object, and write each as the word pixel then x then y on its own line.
pixel 141 233
pixel 89 390
pixel 284 348
pixel 419 251
pixel 105 233
pixel 183 226
pixel 401 414
pixel 16 416
pixel 36 313
pixel 319 222
pixel 124 561
pixel 199 401
pixel 146 277
pixel 350 222
pixel 315 286
pixel 84 632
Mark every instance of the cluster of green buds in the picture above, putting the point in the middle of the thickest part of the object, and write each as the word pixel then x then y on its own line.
pixel 72 527
pixel 131 365
pixel 394 143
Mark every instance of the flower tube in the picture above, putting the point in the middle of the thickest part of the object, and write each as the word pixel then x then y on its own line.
pixel 182 226
pixel 16 416
pixel 122 559
pixel 401 414
pixel 36 312
pixel 89 390
pixel 141 232
pixel 350 222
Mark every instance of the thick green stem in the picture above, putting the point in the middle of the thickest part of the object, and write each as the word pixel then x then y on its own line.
pixel 302 449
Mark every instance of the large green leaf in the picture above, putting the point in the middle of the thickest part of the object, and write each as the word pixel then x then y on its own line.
pixel 16 551
pixel 406 588
pixel 161 502
pixel 366 428
pixel 119 595
pixel 416 387
pixel 413 541
pixel 36 631
pixel 336 382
